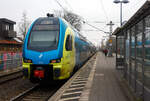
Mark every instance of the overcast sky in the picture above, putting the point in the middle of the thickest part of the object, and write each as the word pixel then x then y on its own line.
pixel 101 11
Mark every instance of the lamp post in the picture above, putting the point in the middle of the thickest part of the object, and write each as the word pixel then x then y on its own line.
pixel 119 1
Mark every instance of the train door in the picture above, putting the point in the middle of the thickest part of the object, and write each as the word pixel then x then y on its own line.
pixel 68 53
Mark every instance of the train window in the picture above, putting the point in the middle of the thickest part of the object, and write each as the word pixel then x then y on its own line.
pixel 45 27
pixel 47 21
pixel 43 24
pixel 43 40
pixel 69 43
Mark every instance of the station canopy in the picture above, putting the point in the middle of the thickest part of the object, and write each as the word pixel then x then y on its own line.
pixel 140 14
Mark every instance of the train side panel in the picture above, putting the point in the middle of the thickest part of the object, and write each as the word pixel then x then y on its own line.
pixel 68 54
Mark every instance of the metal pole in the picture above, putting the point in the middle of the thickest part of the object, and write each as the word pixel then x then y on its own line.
pixel 120 13
pixel 110 28
pixel 110 39
pixel 116 51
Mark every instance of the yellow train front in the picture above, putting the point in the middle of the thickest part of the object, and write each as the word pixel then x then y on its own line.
pixel 52 50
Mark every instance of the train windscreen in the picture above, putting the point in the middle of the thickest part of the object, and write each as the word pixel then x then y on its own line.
pixel 44 35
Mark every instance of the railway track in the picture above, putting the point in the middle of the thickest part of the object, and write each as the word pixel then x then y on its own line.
pixel 10 77
pixel 38 93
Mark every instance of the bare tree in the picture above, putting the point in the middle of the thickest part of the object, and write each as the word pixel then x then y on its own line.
pixel 59 13
pixel 74 19
pixel 24 24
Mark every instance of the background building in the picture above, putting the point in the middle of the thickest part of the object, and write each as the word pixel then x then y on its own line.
pixel 8 40
pixel 10 45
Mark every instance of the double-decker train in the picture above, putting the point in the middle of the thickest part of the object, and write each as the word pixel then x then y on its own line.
pixel 53 49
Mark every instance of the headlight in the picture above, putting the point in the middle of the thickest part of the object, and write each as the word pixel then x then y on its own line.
pixel 55 61
pixel 27 61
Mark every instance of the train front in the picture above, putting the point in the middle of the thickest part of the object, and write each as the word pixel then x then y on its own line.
pixel 42 50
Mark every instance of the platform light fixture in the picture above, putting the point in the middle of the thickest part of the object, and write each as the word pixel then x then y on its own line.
pixel 121 2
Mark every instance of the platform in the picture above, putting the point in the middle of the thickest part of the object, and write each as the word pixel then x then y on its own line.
pixel 102 84
pixel 105 85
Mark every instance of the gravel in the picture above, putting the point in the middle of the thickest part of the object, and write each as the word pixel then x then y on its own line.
pixel 12 89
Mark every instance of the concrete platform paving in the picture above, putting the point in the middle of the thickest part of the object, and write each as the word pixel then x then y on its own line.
pixel 105 86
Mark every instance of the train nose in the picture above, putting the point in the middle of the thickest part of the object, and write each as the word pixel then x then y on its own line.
pixel 39 72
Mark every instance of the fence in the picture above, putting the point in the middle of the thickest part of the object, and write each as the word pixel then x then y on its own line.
pixel 10 60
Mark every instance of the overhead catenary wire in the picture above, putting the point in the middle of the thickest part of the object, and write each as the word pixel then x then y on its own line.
pixel 82 19
pixel 101 2
pixel 60 5
pixel 95 27
pixel 68 5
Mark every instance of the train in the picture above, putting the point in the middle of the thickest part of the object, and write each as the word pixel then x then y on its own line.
pixel 53 50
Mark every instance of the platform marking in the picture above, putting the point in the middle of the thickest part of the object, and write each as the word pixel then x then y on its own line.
pixel 80 78
pixel 74 88
pixel 99 75
pixel 71 98
pixel 79 81
pixel 86 92
pixel 73 93
pixel 76 85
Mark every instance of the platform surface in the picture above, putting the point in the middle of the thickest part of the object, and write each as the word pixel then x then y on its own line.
pixel 105 85
pixel 97 80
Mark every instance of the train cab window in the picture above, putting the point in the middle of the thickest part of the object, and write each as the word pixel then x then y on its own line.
pixel 69 43
pixel 44 35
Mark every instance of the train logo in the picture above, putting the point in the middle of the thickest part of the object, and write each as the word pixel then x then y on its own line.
pixel 40 55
